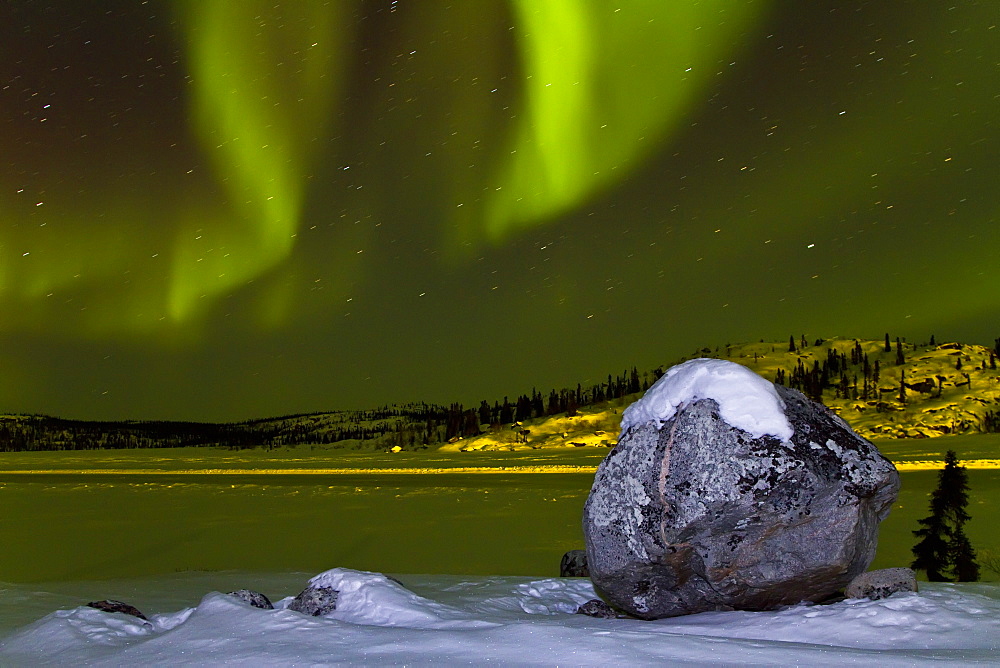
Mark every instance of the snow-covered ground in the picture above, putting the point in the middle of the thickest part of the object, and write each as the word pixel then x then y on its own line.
pixel 453 620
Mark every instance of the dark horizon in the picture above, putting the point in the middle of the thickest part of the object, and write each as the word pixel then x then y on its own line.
pixel 218 212
pixel 647 376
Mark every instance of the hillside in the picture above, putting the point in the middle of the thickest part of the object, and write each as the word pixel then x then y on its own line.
pixel 951 388
pixel 405 425
pixel 946 389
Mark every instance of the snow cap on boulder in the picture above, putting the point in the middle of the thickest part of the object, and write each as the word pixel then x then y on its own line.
pixel 746 401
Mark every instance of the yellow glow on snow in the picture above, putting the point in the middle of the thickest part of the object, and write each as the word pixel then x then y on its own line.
pixel 490 470
pixel 542 468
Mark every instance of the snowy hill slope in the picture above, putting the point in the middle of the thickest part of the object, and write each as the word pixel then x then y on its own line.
pixel 948 389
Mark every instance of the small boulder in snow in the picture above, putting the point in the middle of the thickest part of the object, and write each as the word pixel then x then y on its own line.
pixel 110 605
pixel 882 583
pixel 595 607
pixel 363 597
pixel 315 600
pixel 254 598
pixel 726 491
pixel 574 565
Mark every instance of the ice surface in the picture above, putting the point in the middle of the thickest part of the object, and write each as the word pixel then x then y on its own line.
pixel 746 401
pixel 509 620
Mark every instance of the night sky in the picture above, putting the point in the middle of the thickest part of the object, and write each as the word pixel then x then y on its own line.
pixel 220 210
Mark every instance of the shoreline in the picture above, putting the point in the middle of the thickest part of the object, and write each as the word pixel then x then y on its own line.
pixel 916 465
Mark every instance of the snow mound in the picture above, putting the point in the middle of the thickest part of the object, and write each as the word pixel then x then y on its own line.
pixel 375 599
pixel 541 597
pixel 746 401
pixel 930 620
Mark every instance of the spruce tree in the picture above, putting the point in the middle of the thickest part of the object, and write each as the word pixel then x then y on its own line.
pixel 930 554
pixel 943 550
pixel 633 381
pixel 963 557
pixel 553 405
pixel 506 412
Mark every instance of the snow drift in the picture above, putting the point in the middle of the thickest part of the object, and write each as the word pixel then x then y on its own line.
pixel 512 620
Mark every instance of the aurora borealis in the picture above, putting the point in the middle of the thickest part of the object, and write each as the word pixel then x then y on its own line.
pixel 222 210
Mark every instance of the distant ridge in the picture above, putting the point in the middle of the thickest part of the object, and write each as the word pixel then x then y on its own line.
pixel 882 388
pixel 345 429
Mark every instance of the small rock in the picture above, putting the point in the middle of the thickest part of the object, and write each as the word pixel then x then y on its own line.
pixel 595 607
pixel 254 598
pixel 109 605
pixel 882 583
pixel 574 565
pixel 315 601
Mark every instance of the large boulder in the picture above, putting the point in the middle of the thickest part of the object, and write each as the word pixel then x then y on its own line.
pixel 726 491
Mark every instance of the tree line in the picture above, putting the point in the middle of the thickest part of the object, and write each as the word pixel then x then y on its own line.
pixel 463 422
pixel 406 426
pixel 40 432
pixel 422 425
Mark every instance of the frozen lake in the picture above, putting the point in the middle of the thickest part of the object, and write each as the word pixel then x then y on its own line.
pixel 160 512
pixel 132 524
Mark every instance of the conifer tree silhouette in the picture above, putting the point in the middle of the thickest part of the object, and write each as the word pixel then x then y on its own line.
pixel 943 550
pixel 963 557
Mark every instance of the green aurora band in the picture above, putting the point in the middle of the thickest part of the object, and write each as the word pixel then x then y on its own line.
pixel 265 79
pixel 352 193
pixel 605 85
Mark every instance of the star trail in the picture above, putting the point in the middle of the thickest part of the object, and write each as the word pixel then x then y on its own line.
pixel 217 210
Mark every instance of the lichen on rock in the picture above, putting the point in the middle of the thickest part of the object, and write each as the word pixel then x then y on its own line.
pixel 693 513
